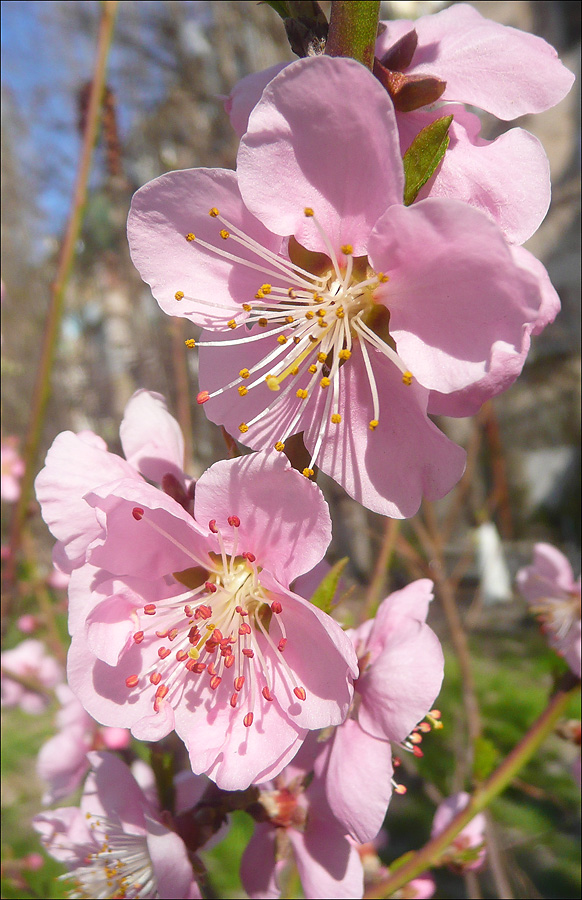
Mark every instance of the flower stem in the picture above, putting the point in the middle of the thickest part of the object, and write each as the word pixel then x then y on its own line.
pixel 352 30
pixel 482 797
pixel 42 386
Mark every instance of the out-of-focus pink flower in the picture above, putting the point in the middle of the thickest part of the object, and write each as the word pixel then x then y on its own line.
pixel 187 622
pixel 27 624
pixel 294 817
pixel 12 470
pixel 115 844
pixel 58 579
pixel 29 662
pixel 548 586
pixel 467 851
pixel 340 298
pixel 62 761
pixel 401 671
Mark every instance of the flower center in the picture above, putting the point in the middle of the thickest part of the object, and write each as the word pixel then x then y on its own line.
pixel 225 635
pixel 310 313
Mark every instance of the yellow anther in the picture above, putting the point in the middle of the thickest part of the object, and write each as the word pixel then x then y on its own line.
pixel 321 313
pixel 243 390
pixel 308 473
pixel 263 322
pixel 321 357
pixel 294 370
pixel 296 339
pixel 259 295
pixel 190 343
pixel 291 294
pixel 302 394
pixel 244 373
pixel 224 234
pixel 308 212
pixel 336 418
pixel 407 377
pixel 190 236
pixel 325 382
pixel 322 323
pixel 213 212
pixel 231 323
pixel 347 249
pixel 313 339
pixel 281 339
pixel 373 424
pixel 381 277
pixel 289 319
pixel 179 295
pixel 266 288
pixel 345 353
pixel 243 428
pixel 272 382
pixel 317 298
pixel 279 446
pixel 247 307
pixel 309 314
pixel 312 368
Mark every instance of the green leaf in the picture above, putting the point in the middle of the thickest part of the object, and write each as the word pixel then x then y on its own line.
pixel 424 155
pixel 324 594
pixel 280 7
pixel 486 758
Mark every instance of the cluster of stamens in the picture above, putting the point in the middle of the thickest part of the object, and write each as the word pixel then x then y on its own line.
pixel 215 636
pixel 412 743
pixel 315 320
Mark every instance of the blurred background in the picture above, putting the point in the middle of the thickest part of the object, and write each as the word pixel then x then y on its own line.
pixel 170 64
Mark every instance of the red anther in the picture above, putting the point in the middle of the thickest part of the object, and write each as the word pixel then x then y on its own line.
pixel 173 634
pixel 300 693
pixel 217 635
pixel 266 693
pixel 415 738
pixel 229 661
pixel 163 652
pixel 276 607
pixel 193 634
pixel 215 681
pixel 250 556
pixel 162 634
pixel 155 678
pixel 137 513
pixel 282 644
pixel 210 645
pixel 203 612
pixel 150 609
pixel 396 761
pixel 210 587
pixel 212 526
pixel 138 637
pixel 245 628
pixel 181 655
pixel 435 713
pixel 162 691
pixel 202 397
pixel 198 667
pixel 226 650
pixel 248 720
pixel 233 700
pixel 188 612
pixel 211 669
pixel 132 681
pixel 400 789
pixel 416 751
pixel 424 727
pixel 233 521
pixel 240 611
pixel 248 653
pixel 238 682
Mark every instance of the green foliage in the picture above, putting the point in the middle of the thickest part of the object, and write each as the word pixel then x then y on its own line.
pixel 424 155
pixel 325 593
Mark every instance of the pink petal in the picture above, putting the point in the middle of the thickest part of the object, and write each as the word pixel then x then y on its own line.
pixel 284 519
pixel 110 627
pixel 151 438
pixel 396 610
pixel 246 94
pixel 258 869
pixel 112 791
pixel 162 213
pixel 479 288
pixel 62 763
pixel 65 834
pixel 324 149
pixel 329 866
pixel 172 868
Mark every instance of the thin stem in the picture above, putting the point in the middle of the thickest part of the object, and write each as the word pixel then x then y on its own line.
pixel 42 386
pixel 180 366
pixel 483 796
pixel 378 584
pixel 352 30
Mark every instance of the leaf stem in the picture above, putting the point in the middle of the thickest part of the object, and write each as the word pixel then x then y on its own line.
pixel 352 30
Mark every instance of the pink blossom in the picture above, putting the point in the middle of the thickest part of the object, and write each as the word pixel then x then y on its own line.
pixel 12 470
pixel 349 293
pixel 548 586
pixel 187 622
pixel 115 844
pixel 30 664
pixel 62 761
pixel 27 623
pixel 467 850
pixel 295 817
pixel 401 671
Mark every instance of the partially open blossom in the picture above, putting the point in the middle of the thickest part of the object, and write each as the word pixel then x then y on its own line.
pixel 332 304
pixel 12 470
pixel 401 671
pixel 35 673
pixel 115 844
pixel 549 587
pixel 467 850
